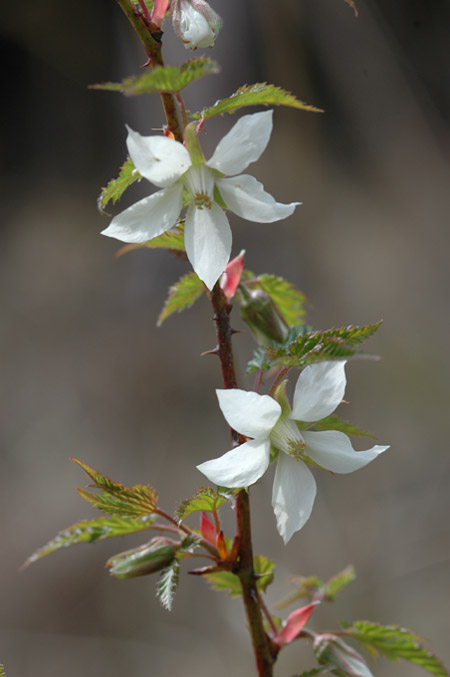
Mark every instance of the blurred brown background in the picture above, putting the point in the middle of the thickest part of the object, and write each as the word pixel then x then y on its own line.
pixel 85 372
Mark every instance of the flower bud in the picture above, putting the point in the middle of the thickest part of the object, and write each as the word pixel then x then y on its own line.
pixel 147 559
pixel 231 277
pixel 195 23
pixel 261 315
pixel 348 662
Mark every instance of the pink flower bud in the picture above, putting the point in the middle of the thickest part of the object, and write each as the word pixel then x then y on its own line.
pixel 229 281
pixel 294 624
pixel 207 529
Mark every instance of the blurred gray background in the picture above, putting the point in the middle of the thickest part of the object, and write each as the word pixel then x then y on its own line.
pixel 86 373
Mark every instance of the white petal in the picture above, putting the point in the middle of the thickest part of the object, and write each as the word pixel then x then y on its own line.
pixel 159 159
pixel 207 238
pixel 246 197
pixel 249 413
pixel 333 450
pixel 239 467
pixel 319 390
pixel 245 142
pixel 195 31
pixel 149 217
pixel 294 491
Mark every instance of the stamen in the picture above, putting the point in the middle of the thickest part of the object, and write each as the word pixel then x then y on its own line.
pixel 202 200
pixel 286 437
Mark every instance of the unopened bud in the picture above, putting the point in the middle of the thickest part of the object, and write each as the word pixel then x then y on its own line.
pixel 261 315
pixel 348 662
pixel 195 23
pixel 147 559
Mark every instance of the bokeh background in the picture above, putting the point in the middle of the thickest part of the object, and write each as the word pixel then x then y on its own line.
pixel 86 373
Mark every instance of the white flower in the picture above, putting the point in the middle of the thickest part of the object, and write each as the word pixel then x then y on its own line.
pixel 319 390
pixel 207 235
pixel 195 23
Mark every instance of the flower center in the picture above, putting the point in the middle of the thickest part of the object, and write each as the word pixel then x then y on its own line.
pixel 199 181
pixel 286 437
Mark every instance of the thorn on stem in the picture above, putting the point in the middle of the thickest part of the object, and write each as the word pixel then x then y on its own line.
pixel 214 351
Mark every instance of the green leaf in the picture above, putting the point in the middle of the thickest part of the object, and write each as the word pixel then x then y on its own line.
pixel 307 588
pixel 116 187
pixel 259 94
pixel 261 361
pixel 167 584
pixel 182 294
pixel 229 582
pixel 89 531
pixel 172 239
pixel 225 581
pixel 206 500
pixel 264 569
pixel 171 79
pixel 115 499
pixel 395 642
pixel 333 422
pixel 317 346
pixel 334 585
pixel 289 301
pixel 2 671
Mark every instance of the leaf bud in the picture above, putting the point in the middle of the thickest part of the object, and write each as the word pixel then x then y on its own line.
pixel 259 312
pixel 348 662
pixel 146 559
pixel 195 23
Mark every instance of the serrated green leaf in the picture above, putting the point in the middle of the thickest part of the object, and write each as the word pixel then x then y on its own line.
pixel 318 346
pixel 259 94
pixel 334 585
pixel 89 531
pixel 395 642
pixel 229 582
pixel 167 584
pixel 172 239
pixel 169 79
pixel 206 500
pixel 2 671
pixel 182 294
pixel 261 361
pixel 307 588
pixel 116 187
pixel 289 301
pixel 333 422
pixel 100 481
pixel 115 499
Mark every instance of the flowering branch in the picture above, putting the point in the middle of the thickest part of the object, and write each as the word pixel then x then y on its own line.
pixel 261 643
pixel 152 44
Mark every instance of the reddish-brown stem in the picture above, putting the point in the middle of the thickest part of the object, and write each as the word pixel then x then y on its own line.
pixel 244 569
pixel 152 44
pixel 280 375
pixel 150 38
pixel 181 527
pixel 267 614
